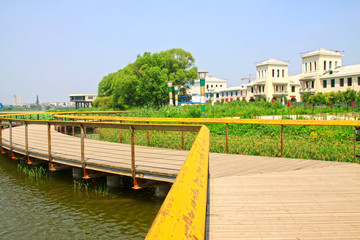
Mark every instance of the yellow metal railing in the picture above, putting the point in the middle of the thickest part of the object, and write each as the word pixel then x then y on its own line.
pixel 183 213
pixel 347 123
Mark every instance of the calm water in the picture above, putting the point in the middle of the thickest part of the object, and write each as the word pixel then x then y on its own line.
pixel 53 208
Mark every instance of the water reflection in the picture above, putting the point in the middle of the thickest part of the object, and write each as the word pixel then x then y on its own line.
pixel 54 208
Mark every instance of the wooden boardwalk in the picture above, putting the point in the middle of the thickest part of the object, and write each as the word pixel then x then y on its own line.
pixel 277 198
pixel 151 163
pixel 250 197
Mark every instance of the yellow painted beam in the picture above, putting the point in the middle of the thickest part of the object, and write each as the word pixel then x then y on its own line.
pixel 183 213
pixel 222 120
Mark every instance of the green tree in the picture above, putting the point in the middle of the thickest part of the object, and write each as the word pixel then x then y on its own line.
pixel 144 82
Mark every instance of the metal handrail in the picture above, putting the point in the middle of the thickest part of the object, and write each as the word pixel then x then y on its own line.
pixel 183 213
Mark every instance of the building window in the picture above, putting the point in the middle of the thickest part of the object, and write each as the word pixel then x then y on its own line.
pixel 307 84
pixel 332 82
pixel 315 66
pixel 278 73
pixel 359 81
pixel 341 82
pixel 265 73
pixel 324 65
pixel 273 72
pixel 324 84
pixel 220 85
pixel 305 67
pixel 292 88
pixel 336 64
pixel 212 85
pixel 330 65
pixel 312 84
pixel 283 73
pixel 350 82
pixel 310 67
pixel 215 85
pixel 252 89
pixel 207 86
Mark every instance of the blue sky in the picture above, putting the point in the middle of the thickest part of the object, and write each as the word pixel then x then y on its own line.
pixel 55 48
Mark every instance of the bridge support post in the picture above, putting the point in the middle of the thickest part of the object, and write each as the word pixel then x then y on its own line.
pixel 77 173
pixel 161 189
pixel 113 181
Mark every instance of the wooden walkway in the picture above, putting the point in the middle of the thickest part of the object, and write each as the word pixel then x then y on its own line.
pixel 250 197
pixel 277 198
pixel 151 163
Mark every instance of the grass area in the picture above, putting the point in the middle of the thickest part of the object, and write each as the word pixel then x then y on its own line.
pixel 244 110
pixel 305 142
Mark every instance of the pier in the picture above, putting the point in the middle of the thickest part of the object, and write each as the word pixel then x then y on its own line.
pixel 214 195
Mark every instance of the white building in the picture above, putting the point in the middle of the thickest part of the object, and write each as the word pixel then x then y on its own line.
pixel 322 71
pixel 82 100
pixel 211 84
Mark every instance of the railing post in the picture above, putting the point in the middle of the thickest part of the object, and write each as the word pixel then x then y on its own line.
pixel 100 132
pixel 282 140
pixel 182 139
pixel 73 130
pixel 38 117
pixel 51 167
pixel 133 170
pixel 355 131
pixel 11 141
pixel 148 137
pixel 227 138
pixel 1 144
pixel 27 143
pixel 82 149
pixel 121 134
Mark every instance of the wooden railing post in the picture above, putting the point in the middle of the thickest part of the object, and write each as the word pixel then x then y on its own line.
pixel 38 117
pixel 282 140
pixel 100 132
pixel 27 142
pixel 148 137
pixel 51 167
pixel 182 139
pixel 355 140
pixel 227 138
pixel 121 140
pixel 82 150
pixel 1 144
pixel 133 170
pixel 11 141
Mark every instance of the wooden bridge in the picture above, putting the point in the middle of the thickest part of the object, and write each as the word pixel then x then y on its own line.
pixel 216 196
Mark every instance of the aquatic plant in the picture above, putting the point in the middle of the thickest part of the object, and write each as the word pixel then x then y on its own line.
pixel 36 172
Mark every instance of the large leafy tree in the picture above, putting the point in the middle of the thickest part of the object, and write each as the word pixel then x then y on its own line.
pixel 144 82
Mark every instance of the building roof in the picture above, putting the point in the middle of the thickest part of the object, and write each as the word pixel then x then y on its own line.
pixel 322 51
pixel 272 61
pixel 83 94
pixel 343 71
pixel 212 79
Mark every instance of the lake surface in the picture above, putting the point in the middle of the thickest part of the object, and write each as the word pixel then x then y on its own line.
pixel 55 208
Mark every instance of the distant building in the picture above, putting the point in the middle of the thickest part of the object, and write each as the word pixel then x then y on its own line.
pixel 322 71
pixel 17 101
pixel 37 100
pixel 83 100
pixel 211 84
